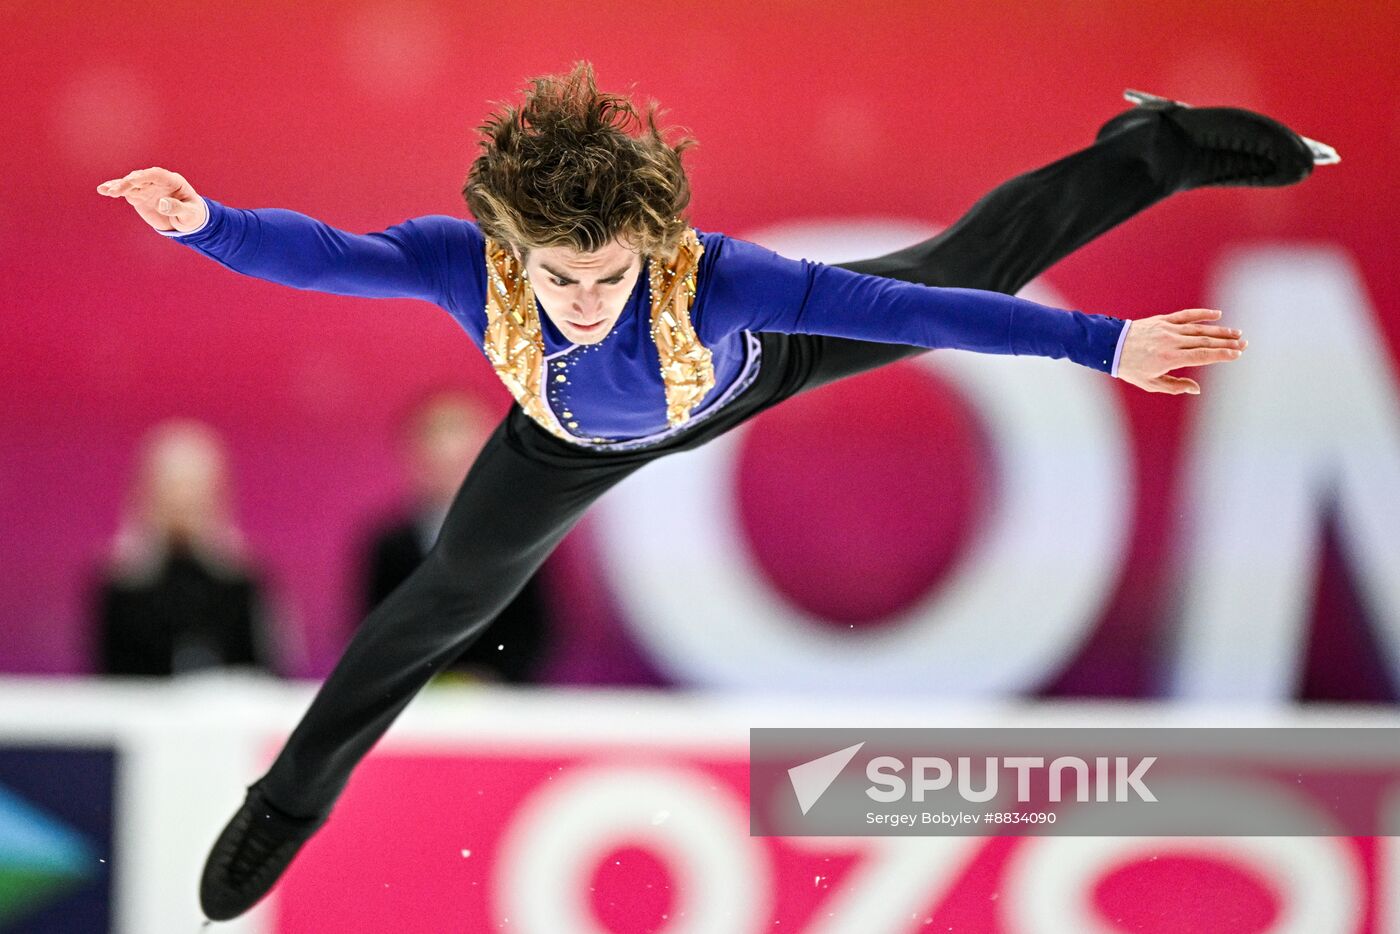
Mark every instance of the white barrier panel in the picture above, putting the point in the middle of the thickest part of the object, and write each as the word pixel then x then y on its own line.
pixel 493 809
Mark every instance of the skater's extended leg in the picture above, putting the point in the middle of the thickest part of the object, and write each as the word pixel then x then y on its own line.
pixel 1025 225
pixel 508 516
pixel 510 513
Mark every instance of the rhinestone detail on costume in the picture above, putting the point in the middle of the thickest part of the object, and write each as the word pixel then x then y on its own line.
pixel 514 342
pixel 687 369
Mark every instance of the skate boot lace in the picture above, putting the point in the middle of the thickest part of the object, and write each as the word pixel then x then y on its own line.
pixel 259 849
pixel 1216 161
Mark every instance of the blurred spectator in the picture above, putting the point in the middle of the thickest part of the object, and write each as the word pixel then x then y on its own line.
pixel 177 594
pixel 441 437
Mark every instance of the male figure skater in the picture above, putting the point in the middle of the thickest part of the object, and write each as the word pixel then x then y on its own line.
pixel 625 335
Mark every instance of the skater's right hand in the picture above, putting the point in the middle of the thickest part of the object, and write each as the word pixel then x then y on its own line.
pixel 163 199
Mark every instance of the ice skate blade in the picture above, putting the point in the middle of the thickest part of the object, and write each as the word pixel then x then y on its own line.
pixel 1322 153
pixel 1142 97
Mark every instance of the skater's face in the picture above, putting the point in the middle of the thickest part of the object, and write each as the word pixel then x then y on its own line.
pixel 583 293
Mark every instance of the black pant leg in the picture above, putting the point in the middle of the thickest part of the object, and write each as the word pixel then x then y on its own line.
pixel 512 510
pixel 1020 229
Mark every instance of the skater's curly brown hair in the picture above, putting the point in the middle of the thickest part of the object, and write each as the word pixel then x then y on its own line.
pixel 577 167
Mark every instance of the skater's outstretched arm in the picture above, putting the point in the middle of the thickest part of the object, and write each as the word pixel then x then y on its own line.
pixel 753 288
pixel 286 247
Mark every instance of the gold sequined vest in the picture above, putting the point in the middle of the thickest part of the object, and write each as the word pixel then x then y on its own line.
pixel 515 344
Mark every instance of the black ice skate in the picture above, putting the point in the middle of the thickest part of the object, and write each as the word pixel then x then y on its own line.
pixel 250 855
pixel 1229 145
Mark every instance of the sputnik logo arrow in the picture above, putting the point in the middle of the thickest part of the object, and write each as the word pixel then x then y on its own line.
pixel 810 780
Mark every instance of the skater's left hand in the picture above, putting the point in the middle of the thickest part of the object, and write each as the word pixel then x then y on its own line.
pixel 1154 346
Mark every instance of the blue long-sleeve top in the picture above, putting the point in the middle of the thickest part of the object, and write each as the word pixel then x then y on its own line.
pixel 612 391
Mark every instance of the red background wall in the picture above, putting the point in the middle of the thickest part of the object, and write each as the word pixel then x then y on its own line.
pixel 362 114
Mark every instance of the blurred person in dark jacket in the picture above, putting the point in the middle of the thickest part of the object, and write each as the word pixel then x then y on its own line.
pixel 441 436
pixel 177 593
